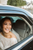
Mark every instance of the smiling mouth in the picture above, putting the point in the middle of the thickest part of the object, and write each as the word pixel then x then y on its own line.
pixel 7 29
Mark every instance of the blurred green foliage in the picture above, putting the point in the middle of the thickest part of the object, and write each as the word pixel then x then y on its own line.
pixel 16 2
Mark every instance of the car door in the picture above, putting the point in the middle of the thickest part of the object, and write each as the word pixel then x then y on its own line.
pixel 26 44
pixel 26 18
pixel 27 39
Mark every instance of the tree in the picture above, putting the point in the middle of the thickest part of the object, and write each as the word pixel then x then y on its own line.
pixel 16 2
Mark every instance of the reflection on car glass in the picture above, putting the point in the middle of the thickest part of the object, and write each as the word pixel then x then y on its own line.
pixel 13 18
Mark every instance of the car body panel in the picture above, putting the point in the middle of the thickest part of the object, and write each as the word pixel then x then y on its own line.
pixel 9 9
pixel 15 10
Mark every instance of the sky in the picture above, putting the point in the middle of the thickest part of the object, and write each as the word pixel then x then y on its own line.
pixel 29 0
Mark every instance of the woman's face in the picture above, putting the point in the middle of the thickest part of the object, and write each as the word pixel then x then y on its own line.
pixel 7 25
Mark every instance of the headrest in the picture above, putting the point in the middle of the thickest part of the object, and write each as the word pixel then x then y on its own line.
pixel 20 24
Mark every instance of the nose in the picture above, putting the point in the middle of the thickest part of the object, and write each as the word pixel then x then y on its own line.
pixel 7 26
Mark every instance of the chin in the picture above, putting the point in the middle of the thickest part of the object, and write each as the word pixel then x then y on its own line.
pixel 7 31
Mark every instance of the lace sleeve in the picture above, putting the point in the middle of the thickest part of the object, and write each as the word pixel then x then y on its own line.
pixel 13 41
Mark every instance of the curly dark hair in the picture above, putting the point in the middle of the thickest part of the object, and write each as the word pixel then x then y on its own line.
pixel 2 20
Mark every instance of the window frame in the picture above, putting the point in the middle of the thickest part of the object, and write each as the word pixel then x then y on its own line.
pixel 26 20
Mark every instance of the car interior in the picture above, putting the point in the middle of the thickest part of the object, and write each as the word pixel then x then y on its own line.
pixel 20 28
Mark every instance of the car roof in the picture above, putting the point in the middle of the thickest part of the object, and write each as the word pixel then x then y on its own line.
pixel 13 8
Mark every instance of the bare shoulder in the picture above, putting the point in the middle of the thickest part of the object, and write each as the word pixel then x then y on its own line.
pixel 13 35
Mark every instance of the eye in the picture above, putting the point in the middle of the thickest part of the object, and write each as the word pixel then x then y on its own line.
pixel 5 23
pixel 10 24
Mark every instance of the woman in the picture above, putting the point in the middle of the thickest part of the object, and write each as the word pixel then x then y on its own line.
pixel 7 38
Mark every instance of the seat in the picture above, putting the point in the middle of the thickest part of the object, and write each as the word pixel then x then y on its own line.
pixel 16 34
pixel 20 28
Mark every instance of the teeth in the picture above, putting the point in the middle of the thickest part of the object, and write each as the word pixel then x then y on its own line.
pixel 7 29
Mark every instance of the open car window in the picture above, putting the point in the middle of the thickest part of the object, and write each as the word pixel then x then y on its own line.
pixel 20 28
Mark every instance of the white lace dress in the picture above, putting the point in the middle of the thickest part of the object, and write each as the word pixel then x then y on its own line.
pixel 6 42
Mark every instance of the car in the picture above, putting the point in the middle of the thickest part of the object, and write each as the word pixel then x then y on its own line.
pixel 22 26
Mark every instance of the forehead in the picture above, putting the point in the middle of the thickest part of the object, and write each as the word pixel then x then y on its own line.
pixel 7 20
